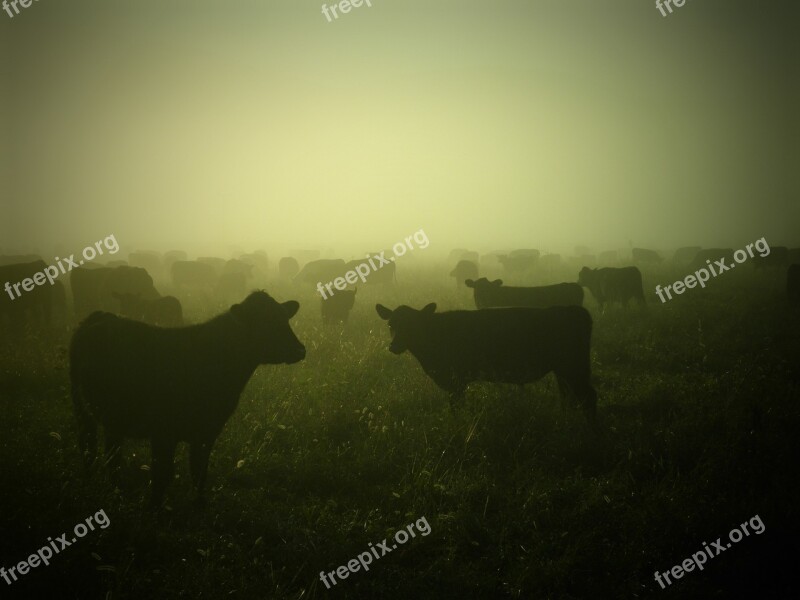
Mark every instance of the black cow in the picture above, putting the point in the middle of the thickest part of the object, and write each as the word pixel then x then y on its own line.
pixel 322 270
pixel 93 289
pixel 383 273
pixel 613 285
pixel 464 270
pixel 288 267
pixel 492 294
pixel 193 275
pixel 709 256
pixel 164 312
pixel 685 255
pixel 173 385
pixel 337 308
pixel 793 284
pixel 643 256
pixel 778 257
pixel 19 306
pixel 503 345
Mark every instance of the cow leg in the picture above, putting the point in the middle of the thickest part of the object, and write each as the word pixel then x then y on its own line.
pixel 163 467
pixel 198 464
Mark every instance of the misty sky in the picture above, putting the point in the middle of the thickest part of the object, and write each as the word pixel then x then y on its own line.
pixel 258 124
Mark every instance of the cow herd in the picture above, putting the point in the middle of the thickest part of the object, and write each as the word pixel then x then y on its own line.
pixel 138 370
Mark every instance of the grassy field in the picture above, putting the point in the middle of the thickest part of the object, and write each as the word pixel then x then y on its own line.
pixel 699 412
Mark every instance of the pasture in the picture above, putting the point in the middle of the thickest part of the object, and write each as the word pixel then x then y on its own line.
pixel 698 405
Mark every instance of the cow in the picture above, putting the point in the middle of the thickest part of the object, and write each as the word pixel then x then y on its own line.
pixel 503 345
pixel 148 260
pixel 685 255
pixel 464 270
pixel 519 262
pixel 19 306
pixel 172 256
pixel 492 294
pixel 288 267
pixel 324 270
pixel 164 312
pixel 193 275
pixel 709 255
pixel 336 308
pixel 383 273
pixel 458 254
pixel 216 263
pixel 613 285
pixel 778 257
pixel 258 263
pixel 643 256
pixel 793 284
pixel 172 385
pixel 793 256
pixel 93 289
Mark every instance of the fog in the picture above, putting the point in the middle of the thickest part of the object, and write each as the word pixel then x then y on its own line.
pixel 223 127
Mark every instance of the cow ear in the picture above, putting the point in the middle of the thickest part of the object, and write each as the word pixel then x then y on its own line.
pixel 497 282
pixel 430 308
pixel 469 283
pixel 383 312
pixel 291 307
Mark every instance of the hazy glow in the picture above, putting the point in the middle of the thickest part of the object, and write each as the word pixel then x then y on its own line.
pixel 259 124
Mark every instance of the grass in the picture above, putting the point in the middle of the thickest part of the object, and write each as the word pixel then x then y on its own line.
pixel 699 407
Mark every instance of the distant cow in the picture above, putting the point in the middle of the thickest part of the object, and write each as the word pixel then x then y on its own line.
pixel 165 311
pixel 710 255
pixel 93 289
pixel 288 267
pixel 793 284
pixel 171 257
pixel 778 257
pixel 148 260
pixel 685 255
pixel 465 269
pixel 337 308
pixel 643 256
pixel 613 285
pixel 492 294
pixel 519 261
pixel 193 275
pixel 382 274
pixel 324 270
pixel 173 385
pixel 510 345
pixel 458 254
pixel 18 306
pixel 793 258
pixel 216 263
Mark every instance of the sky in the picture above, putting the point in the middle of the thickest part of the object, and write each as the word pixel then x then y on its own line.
pixel 217 126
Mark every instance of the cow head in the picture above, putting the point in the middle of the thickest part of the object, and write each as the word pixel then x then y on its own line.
pixel 483 282
pixel 269 335
pixel 405 324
